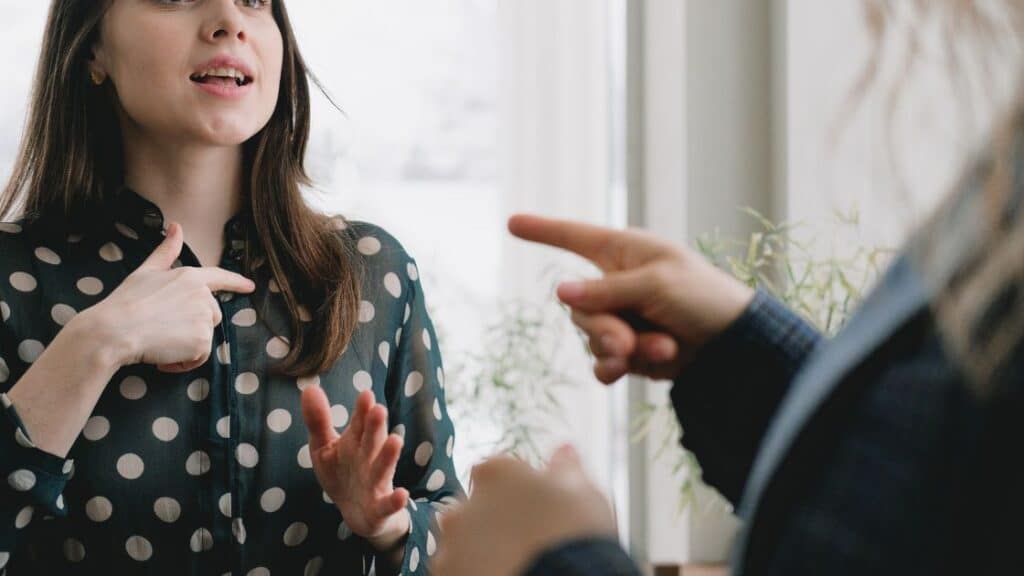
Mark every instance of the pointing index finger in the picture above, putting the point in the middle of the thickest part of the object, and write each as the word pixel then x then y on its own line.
pixel 591 242
pixel 219 280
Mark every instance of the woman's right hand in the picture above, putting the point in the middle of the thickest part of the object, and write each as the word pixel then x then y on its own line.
pixel 166 316
pixel 654 307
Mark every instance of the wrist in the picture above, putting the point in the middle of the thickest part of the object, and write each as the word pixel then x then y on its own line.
pixel 394 535
pixel 110 347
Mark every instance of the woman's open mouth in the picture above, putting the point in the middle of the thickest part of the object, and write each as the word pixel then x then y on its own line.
pixel 222 77
pixel 225 82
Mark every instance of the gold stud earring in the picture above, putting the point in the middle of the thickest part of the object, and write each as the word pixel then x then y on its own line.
pixel 96 77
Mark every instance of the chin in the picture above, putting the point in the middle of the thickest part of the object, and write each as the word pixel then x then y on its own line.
pixel 229 133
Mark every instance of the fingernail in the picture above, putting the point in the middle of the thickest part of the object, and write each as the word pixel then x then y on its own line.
pixel 570 290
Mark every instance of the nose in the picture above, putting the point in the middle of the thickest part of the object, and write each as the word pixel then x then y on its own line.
pixel 224 22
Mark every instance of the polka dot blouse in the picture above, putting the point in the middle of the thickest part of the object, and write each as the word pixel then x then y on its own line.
pixel 209 472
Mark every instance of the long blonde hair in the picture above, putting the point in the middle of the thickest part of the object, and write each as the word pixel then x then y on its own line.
pixel 972 248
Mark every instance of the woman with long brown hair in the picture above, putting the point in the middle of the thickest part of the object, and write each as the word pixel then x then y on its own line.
pixel 172 308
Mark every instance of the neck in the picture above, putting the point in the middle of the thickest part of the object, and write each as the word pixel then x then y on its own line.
pixel 200 187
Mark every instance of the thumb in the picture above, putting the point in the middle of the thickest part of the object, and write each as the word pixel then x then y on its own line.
pixel 168 251
pixel 618 291
pixel 316 412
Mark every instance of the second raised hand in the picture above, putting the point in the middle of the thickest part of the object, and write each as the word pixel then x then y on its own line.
pixel 357 467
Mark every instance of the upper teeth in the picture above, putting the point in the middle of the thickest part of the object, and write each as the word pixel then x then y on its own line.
pixel 223 73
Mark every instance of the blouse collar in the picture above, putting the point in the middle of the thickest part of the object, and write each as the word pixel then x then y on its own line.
pixel 136 214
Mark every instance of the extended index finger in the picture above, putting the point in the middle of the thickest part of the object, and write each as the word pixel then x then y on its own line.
pixel 591 242
pixel 219 279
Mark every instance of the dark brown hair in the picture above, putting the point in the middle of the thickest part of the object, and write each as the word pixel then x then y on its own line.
pixel 70 164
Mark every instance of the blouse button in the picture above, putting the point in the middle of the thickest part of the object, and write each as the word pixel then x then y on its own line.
pixel 237 247
pixel 153 220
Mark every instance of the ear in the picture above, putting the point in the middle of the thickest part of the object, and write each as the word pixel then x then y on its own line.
pixel 97 65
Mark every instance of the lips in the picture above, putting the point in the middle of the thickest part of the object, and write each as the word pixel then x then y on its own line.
pixel 222 81
pixel 223 70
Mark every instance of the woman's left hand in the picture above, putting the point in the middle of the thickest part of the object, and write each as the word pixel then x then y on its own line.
pixel 356 468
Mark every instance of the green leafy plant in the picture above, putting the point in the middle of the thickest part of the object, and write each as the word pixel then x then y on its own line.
pixel 511 380
pixel 783 260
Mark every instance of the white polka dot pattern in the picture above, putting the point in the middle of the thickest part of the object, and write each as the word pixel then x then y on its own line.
pixel 133 388
pixel 96 428
pixel 198 463
pixel 362 381
pixel 99 509
pixel 272 500
pixel 74 550
pixel 279 420
pixel 369 246
pixel 130 466
pixel 413 384
pixel 111 252
pixel 23 281
pixel 198 389
pixel 168 459
pixel 224 504
pixel 339 415
pixel 47 256
pixel 90 286
pixel 24 517
pixel 295 534
pixel 62 314
pixel 167 509
pixel 247 455
pixel 247 383
pixel 423 453
pixel 201 541
pixel 139 548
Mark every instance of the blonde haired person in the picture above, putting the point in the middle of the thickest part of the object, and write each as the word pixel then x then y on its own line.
pixel 893 448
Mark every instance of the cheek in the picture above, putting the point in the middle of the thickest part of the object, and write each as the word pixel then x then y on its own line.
pixel 147 77
pixel 272 59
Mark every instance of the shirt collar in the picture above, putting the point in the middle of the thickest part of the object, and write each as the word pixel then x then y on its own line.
pixel 136 214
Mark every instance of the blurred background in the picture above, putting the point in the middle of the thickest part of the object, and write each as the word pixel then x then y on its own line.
pixel 666 114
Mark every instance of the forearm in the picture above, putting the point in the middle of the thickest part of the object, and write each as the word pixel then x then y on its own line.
pixel 725 400
pixel 57 394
